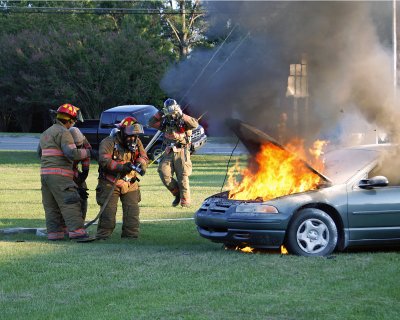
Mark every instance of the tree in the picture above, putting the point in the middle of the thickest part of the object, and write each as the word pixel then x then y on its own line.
pixel 91 69
pixel 186 28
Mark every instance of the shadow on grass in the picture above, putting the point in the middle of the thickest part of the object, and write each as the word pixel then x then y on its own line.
pixel 374 249
pixel 176 238
pixel 159 236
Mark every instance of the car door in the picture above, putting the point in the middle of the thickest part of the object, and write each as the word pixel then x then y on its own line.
pixel 374 213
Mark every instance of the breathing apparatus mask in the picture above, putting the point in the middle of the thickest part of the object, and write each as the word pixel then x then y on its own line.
pixel 130 142
pixel 172 113
pixel 129 135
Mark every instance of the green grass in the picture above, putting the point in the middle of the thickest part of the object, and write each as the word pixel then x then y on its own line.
pixel 170 272
pixel 19 134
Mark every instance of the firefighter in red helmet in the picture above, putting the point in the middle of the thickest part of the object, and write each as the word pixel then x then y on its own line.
pixel 60 197
pixel 122 160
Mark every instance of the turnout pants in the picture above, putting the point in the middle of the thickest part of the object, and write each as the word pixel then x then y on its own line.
pixel 130 211
pixel 62 204
pixel 178 163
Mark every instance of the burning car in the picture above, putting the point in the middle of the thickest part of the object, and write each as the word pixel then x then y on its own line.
pixel 312 214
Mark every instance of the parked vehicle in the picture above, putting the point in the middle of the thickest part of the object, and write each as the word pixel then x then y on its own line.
pixel 97 130
pixel 355 205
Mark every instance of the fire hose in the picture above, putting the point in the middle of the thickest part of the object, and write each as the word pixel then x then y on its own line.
pixel 103 207
pixel 136 168
pixel 109 195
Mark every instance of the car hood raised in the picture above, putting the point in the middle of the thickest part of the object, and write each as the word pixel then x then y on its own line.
pixel 253 138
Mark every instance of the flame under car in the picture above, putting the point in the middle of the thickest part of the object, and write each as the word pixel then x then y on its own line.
pixel 354 205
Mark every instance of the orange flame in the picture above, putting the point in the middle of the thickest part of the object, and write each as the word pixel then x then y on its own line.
pixel 278 172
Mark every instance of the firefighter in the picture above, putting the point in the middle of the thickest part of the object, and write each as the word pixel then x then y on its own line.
pixel 80 176
pixel 177 128
pixel 60 197
pixel 122 158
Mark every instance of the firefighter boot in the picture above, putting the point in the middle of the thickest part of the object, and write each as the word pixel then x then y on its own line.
pixel 185 203
pixel 176 201
pixel 80 235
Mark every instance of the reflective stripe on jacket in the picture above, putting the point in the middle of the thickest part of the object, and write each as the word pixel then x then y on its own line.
pixel 57 171
pixel 58 150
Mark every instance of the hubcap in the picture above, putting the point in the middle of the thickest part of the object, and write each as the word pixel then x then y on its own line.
pixel 312 236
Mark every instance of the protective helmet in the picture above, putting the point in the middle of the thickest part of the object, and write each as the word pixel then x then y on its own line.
pixel 171 107
pixel 77 135
pixel 129 127
pixel 170 102
pixel 68 111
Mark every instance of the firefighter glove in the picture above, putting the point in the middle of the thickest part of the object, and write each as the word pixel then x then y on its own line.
pixel 126 168
pixel 178 111
pixel 83 175
pixel 83 193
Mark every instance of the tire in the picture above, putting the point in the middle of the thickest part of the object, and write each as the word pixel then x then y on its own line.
pixel 312 232
pixel 155 151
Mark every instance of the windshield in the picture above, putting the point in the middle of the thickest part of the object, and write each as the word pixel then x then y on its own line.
pixel 341 165
pixel 143 116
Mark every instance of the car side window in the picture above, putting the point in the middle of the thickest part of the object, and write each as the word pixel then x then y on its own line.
pixel 107 120
pixel 143 117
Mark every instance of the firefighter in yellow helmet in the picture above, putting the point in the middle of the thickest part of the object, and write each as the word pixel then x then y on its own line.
pixel 122 160
pixel 177 128
pixel 60 197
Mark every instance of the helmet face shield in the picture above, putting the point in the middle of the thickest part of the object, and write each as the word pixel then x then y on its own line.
pixel 129 135
pixel 79 116
pixel 133 129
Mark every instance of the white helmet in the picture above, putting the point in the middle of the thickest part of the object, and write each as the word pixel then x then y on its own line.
pixel 171 107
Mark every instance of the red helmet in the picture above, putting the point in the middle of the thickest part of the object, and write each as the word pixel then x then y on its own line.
pixel 68 110
pixel 129 126
pixel 128 121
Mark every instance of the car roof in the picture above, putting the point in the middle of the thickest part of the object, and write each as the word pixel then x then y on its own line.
pixel 130 108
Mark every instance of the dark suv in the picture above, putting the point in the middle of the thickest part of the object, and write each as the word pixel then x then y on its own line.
pixel 97 130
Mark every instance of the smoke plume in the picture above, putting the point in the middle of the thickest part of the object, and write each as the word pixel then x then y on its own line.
pixel 349 66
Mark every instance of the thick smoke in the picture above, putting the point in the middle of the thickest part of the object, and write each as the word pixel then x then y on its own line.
pixel 349 60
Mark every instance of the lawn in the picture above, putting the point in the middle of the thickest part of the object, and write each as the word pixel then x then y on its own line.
pixel 170 272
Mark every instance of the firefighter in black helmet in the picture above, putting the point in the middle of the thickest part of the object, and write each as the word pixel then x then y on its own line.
pixel 177 128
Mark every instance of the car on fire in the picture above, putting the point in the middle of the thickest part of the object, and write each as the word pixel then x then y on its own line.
pixel 354 205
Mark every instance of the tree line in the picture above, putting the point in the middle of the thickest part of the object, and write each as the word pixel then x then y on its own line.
pixel 92 60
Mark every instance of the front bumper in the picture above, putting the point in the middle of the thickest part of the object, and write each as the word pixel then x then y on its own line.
pixel 267 231
pixel 269 239
pixel 197 144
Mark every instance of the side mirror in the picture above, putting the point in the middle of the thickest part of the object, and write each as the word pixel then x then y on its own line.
pixel 377 181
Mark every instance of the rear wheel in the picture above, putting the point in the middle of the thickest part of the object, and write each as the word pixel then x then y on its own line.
pixel 312 233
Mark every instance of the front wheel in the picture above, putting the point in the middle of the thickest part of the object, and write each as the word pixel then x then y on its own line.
pixel 312 233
